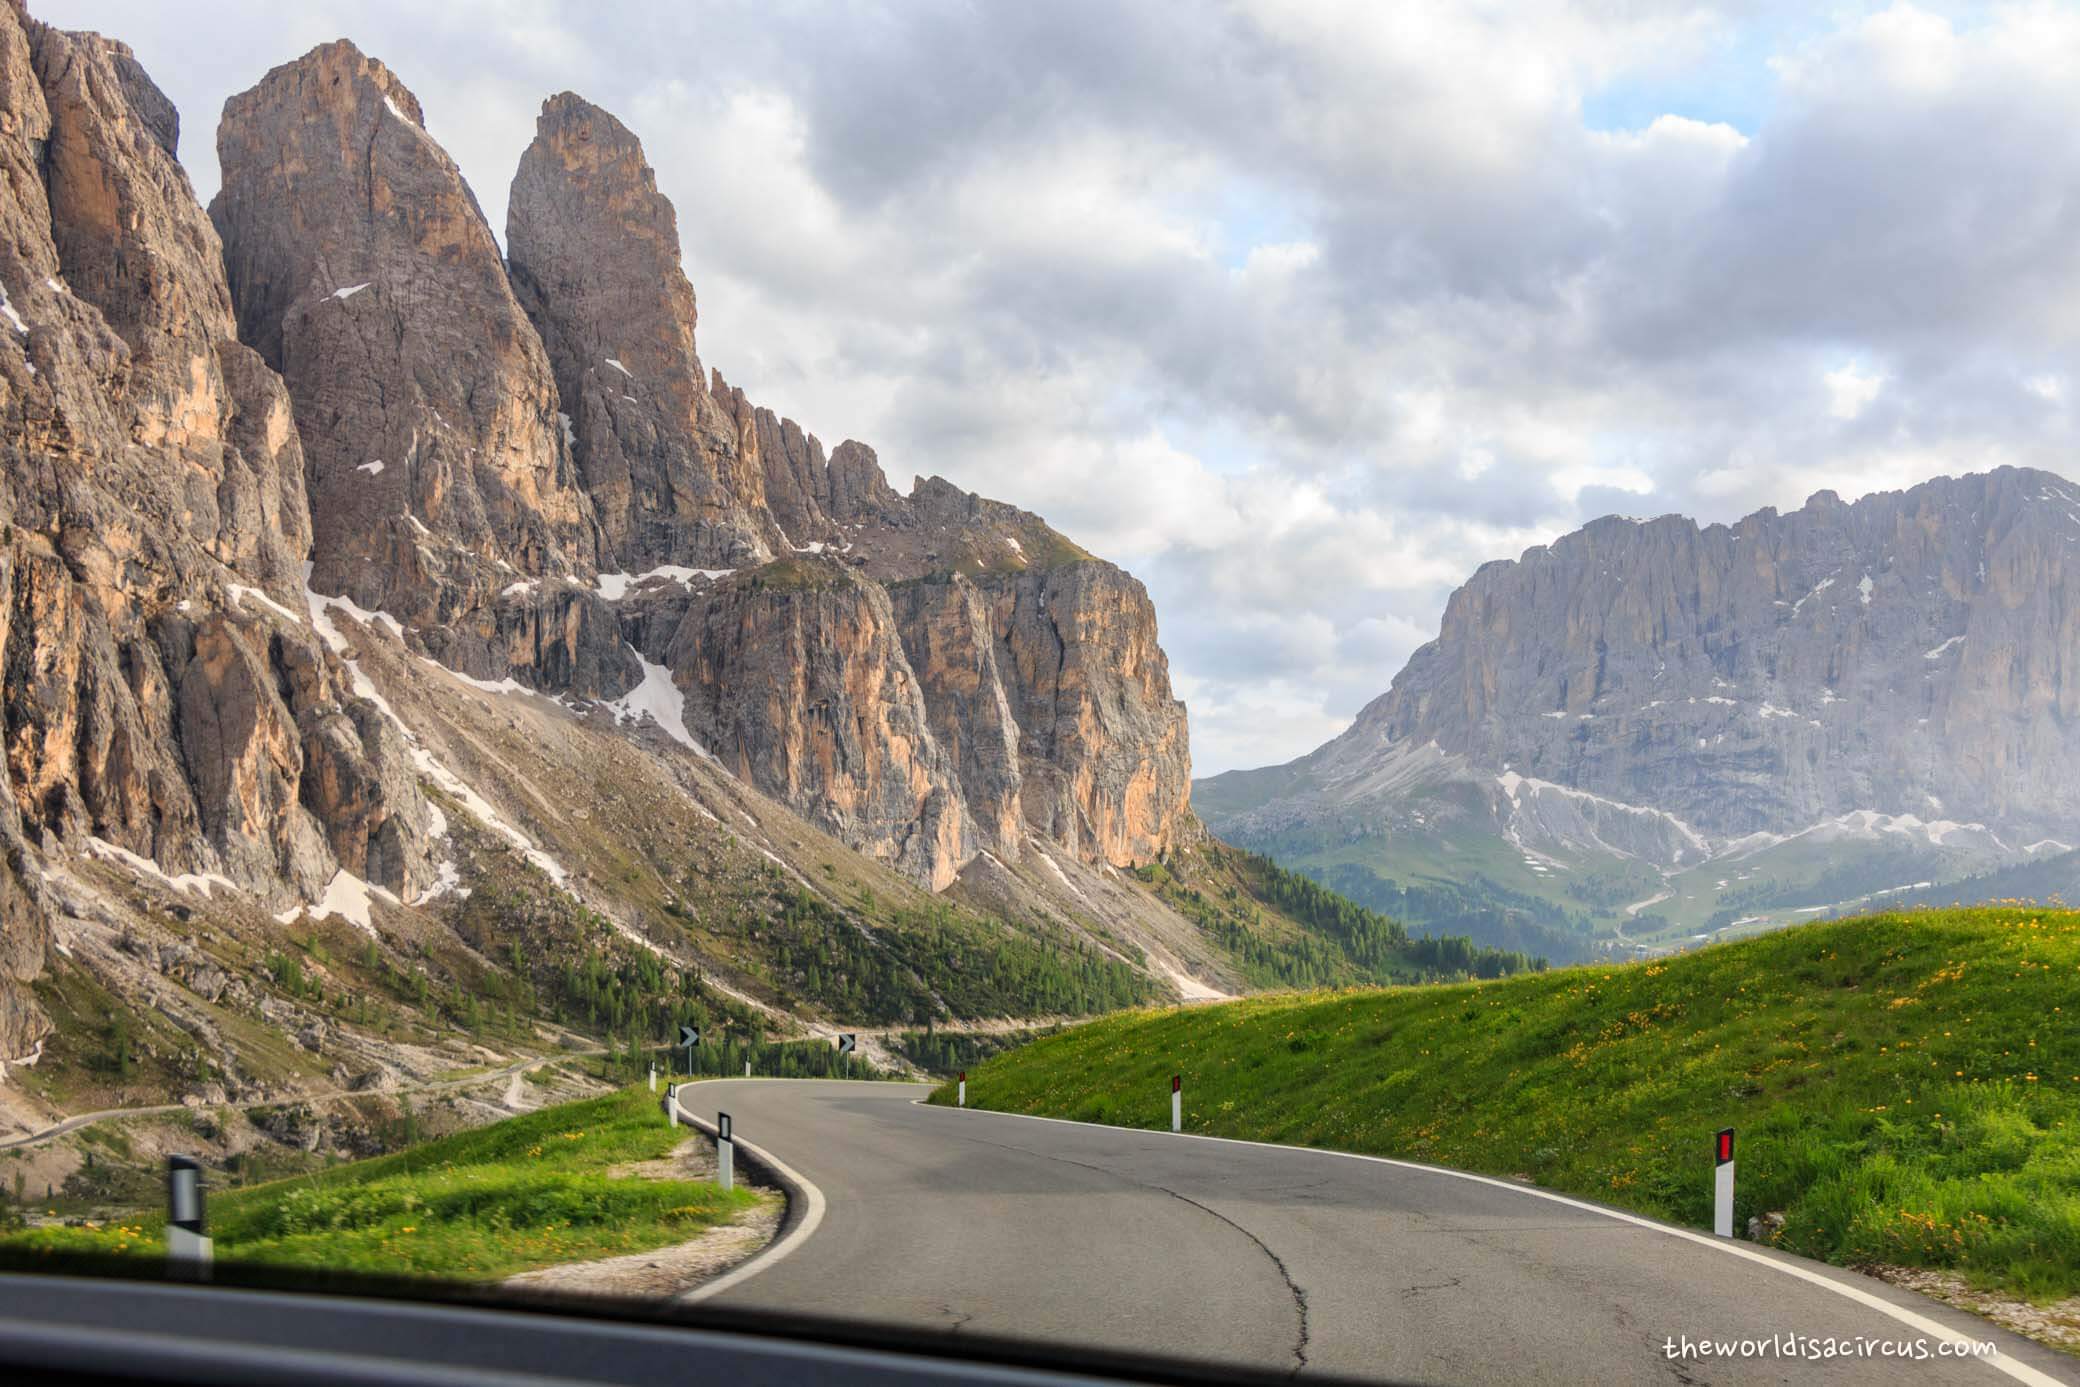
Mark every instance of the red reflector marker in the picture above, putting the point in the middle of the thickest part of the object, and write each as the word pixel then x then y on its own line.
pixel 1725 1145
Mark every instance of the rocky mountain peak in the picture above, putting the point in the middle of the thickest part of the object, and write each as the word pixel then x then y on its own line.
pixel 164 697
pixel 859 489
pixel 440 478
pixel 594 258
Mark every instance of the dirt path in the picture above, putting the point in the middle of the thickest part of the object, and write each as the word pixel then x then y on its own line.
pixel 515 1071
pixel 873 1041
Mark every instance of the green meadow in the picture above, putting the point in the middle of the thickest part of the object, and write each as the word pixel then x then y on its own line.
pixel 530 1191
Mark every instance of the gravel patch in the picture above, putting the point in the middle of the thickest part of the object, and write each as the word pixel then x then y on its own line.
pixel 667 1271
pixel 2056 1324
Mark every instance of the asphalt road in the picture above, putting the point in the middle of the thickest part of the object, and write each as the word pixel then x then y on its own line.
pixel 988 1223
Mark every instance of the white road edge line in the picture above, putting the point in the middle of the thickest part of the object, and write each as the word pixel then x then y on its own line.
pixel 772 1253
pixel 2021 1372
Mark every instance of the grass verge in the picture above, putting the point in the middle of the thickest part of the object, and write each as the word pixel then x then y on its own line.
pixel 531 1191
pixel 1906 1086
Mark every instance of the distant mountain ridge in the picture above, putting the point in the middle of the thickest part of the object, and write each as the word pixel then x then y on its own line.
pixel 1642 697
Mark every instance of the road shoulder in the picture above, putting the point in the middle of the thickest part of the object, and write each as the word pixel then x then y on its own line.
pixel 666 1272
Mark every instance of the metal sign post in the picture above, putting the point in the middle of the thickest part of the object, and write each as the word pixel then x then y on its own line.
pixel 847 1043
pixel 188 1250
pixel 725 1152
pixel 1722 1184
pixel 689 1036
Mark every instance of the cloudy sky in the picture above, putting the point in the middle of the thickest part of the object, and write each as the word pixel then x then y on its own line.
pixel 1302 311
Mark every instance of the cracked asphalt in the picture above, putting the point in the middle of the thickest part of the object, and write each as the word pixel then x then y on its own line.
pixel 1298 1261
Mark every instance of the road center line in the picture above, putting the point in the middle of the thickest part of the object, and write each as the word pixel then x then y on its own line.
pixel 1285 1275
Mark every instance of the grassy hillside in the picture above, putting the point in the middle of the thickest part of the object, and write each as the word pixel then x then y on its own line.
pixel 532 1191
pixel 1447 876
pixel 1288 930
pixel 1906 1086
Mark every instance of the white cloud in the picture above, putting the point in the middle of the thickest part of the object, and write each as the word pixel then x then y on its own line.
pixel 1849 390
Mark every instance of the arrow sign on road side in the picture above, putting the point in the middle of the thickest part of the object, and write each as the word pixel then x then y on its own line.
pixel 689 1036
pixel 847 1043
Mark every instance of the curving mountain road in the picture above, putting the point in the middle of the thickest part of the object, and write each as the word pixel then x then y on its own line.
pixel 1285 1259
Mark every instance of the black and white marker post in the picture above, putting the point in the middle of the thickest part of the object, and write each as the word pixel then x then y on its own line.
pixel 671 1105
pixel 963 1099
pixel 1177 1102
pixel 725 1152
pixel 1722 1185
pixel 188 1251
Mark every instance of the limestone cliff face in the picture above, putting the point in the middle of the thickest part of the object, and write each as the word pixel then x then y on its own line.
pixel 1910 653
pixel 949 633
pixel 363 271
pixel 1039 664
pixel 480 440
pixel 796 679
pixel 594 251
pixel 162 691
pixel 1104 747
pixel 1077 699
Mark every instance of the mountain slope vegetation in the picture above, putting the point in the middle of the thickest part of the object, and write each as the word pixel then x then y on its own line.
pixel 1287 930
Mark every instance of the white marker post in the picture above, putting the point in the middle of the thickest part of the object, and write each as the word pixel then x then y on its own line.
pixel 963 1100
pixel 1722 1186
pixel 188 1252
pixel 747 1069
pixel 725 1152
pixel 653 1077
pixel 1177 1102
pixel 671 1104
